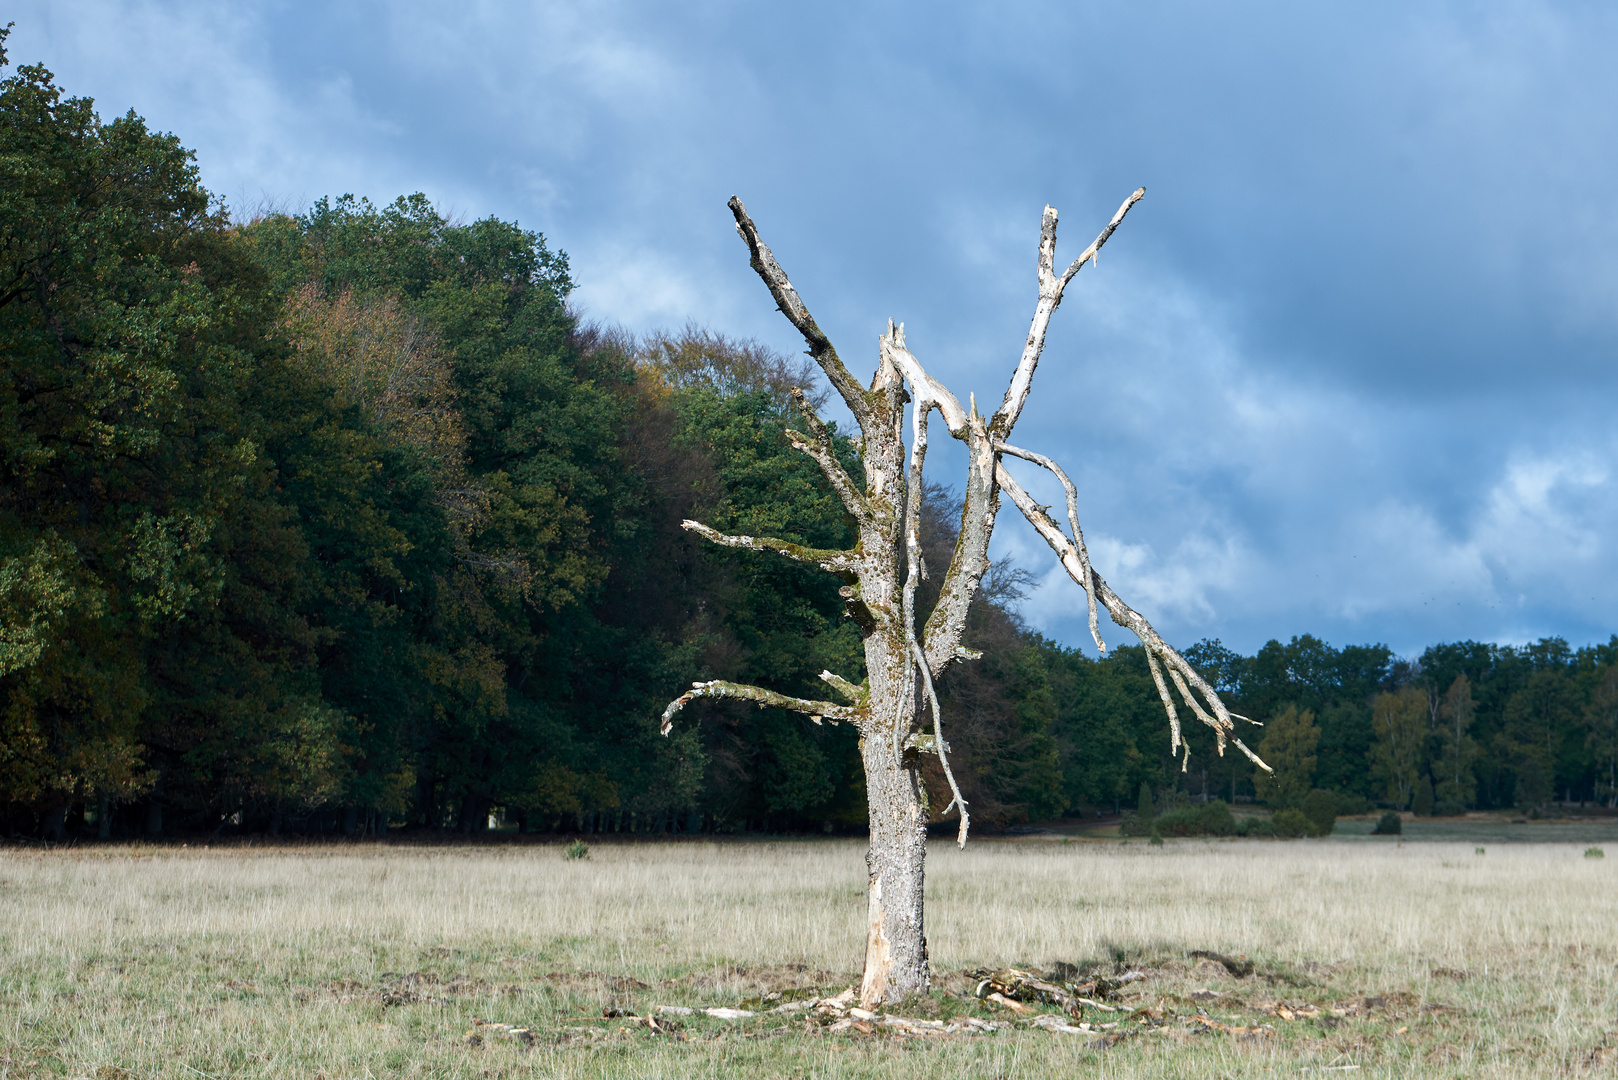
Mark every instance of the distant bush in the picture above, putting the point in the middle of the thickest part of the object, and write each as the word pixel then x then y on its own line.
pixel 1389 824
pixel 1292 823
pixel 578 849
pixel 1594 853
pixel 1445 808
pixel 1320 807
pixel 1255 827
pixel 1208 819
pixel 1349 803
pixel 1422 804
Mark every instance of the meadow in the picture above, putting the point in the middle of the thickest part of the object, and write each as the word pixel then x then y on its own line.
pixel 1382 958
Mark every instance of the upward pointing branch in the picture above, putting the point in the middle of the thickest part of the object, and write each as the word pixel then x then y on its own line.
pixel 786 298
pixel 1050 297
pixel 818 445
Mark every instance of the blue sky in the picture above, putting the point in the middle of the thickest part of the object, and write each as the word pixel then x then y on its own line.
pixel 1348 370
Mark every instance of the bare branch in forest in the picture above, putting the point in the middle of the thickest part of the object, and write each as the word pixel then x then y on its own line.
pixel 853 693
pixel 818 445
pixel 718 688
pixel 836 562
pixel 786 298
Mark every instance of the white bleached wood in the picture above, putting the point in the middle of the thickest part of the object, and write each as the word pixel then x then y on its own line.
pixel 1078 533
pixel 1051 288
pixel 881 576
pixel 1221 719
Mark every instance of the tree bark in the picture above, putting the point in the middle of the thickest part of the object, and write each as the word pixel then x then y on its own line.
pixel 880 575
pixel 895 941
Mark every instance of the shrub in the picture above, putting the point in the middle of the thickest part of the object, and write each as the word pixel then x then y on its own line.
pixel 1445 808
pixel 578 849
pixel 1143 801
pixel 1389 824
pixel 1320 807
pixel 1594 853
pixel 1422 804
pixel 1292 823
pixel 1256 827
pixel 1349 803
pixel 1209 819
pixel 1157 836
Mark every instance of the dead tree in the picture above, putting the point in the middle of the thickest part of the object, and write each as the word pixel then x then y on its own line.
pixel 891 707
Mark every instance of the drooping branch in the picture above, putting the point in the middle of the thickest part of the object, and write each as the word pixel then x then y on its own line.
pixel 921 408
pixel 941 747
pixel 1215 715
pixel 1051 288
pixel 1168 703
pixel 1078 533
pixel 718 688
pixel 915 570
pixel 836 562
pixel 787 299
pixel 817 444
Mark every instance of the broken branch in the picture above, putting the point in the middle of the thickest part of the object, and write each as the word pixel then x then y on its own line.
pixel 721 689
pixel 817 444
pixel 1050 297
pixel 853 693
pixel 787 299
pixel 837 562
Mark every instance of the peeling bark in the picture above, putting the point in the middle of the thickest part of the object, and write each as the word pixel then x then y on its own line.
pixel 890 707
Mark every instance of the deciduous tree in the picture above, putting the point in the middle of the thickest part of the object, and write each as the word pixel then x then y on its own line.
pixel 1288 747
pixel 1400 721
pixel 1456 748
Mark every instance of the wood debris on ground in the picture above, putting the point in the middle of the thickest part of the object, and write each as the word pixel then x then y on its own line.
pixel 1104 1010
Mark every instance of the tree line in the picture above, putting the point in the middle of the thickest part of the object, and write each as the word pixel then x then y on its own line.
pixel 340 521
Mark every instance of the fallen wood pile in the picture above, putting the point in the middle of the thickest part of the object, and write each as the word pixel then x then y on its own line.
pixel 839 1013
pixel 1093 1006
pixel 1015 990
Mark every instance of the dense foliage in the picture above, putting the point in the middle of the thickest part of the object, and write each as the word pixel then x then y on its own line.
pixel 342 521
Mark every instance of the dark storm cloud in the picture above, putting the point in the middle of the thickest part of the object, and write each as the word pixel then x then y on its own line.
pixel 1348 370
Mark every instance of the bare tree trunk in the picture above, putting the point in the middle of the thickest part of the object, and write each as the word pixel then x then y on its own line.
pixel 895 942
pixel 880 576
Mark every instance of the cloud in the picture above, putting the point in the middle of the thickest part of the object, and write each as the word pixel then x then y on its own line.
pixel 1347 370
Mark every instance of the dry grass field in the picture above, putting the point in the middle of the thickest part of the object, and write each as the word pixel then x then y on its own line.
pixel 1369 960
